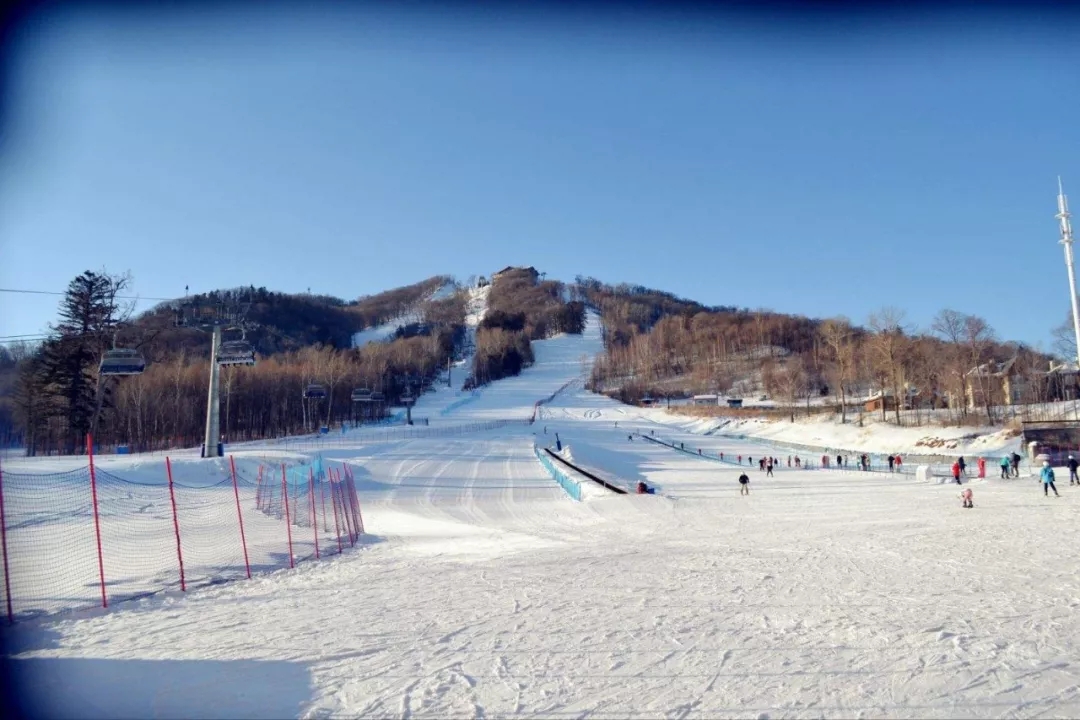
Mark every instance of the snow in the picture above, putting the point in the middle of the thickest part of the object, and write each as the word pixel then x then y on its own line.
pixel 385 332
pixel 482 590
pixel 875 436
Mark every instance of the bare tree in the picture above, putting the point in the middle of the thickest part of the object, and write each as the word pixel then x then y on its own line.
pixel 888 346
pixel 1065 338
pixel 978 338
pixel 949 326
pixel 838 336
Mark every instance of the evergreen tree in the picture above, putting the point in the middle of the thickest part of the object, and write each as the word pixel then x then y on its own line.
pixel 89 317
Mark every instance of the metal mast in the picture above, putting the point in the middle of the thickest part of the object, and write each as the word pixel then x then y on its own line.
pixel 1067 240
pixel 213 405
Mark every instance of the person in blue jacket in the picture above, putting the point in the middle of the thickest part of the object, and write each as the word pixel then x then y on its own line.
pixel 1048 479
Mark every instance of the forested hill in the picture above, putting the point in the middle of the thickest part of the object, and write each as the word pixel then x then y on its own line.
pixel 280 322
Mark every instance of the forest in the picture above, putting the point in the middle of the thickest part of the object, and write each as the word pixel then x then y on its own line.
pixel 655 345
pixel 53 395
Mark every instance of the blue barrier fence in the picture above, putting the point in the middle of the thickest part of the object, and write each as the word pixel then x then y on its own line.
pixel 572 487
pixel 460 402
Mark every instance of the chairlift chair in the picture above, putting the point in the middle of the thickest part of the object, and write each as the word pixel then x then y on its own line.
pixel 122 361
pixel 408 398
pixel 314 391
pixel 378 396
pixel 236 352
pixel 361 395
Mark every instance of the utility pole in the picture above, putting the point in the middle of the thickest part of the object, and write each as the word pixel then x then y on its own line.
pixel 1067 241
pixel 213 405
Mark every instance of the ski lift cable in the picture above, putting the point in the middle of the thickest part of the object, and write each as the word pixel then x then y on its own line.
pixel 53 292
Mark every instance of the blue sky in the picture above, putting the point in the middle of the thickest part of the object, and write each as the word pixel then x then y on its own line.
pixel 821 170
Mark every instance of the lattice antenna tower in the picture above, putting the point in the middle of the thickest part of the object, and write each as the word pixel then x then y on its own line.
pixel 1063 216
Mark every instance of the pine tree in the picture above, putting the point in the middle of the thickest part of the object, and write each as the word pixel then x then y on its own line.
pixel 89 317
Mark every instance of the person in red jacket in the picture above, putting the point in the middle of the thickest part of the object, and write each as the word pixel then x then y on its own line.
pixel 956 472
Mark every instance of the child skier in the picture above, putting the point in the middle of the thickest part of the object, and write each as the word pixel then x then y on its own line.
pixel 1048 479
pixel 1005 464
pixel 956 472
pixel 1072 471
pixel 966 497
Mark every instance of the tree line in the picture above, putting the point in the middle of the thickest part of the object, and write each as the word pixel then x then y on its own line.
pixel 55 394
pixel 522 307
pixel 657 345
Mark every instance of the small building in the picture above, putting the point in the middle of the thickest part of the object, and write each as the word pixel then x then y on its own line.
pixel 994 383
pixel 705 400
pixel 734 402
pixel 877 401
pixel 532 272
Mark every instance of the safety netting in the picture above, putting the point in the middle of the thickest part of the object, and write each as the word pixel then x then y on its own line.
pixel 91 537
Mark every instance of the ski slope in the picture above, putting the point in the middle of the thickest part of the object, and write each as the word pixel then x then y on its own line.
pixel 484 591
pixel 385 331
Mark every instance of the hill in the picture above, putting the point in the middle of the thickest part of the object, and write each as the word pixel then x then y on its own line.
pixel 655 343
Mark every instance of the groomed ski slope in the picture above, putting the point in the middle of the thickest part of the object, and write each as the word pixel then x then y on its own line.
pixel 485 592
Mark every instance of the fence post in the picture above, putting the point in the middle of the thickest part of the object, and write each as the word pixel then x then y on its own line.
pixel 354 503
pixel 97 519
pixel 288 522
pixel 337 527
pixel 239 515
pixel 3 541
pixel 322 501
pixel 314 516
pixel 340 492
pixel 176 523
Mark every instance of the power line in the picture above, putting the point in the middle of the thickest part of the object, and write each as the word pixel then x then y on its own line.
pixel 53 292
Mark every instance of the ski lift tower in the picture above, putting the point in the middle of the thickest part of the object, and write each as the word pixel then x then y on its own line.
pixel 213 318
pixel 1067 240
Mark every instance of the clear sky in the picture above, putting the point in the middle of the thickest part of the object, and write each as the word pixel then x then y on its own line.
pixel 820 169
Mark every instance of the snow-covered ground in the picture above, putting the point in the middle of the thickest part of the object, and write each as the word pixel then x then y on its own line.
pixel 381 333
pixel 484 591
pixel 873 436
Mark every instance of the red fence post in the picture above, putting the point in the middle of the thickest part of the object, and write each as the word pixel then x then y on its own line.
pixel 354 503
pixel 239 515
pixel 3 541
pixel 176 524
pixel 97 519
pixel 288 526
pixel 314 516
pixel 337 527
pixel 345 511
pixel 322 500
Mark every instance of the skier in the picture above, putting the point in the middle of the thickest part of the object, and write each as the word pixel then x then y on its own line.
pixel 1072 470
pixel 892 460
pixel 1005 463
pixel 1016 464
pixel 1048 479
pixel 768 468
pixel 797 461
pixel 839 461
pixel 897 462
pixel 966 497
pixel 744 484
pixel 956 472
pixel 962 464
